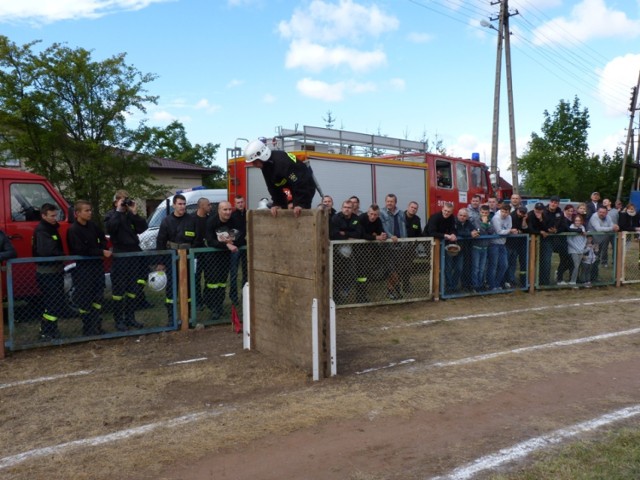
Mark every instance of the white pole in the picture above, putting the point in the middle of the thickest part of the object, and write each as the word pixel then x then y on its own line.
pixel 246 318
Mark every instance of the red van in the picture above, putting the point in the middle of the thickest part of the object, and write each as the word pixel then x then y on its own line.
pixel 21 196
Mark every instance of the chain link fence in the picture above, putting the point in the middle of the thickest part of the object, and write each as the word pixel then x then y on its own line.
pixel 487 264
pixel 373 272
pixel 217 278
pixel 71 299
pixel 630 258
pixel 576 260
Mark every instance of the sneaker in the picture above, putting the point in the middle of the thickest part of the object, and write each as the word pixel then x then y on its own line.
pixel 587 285
pixel 562 282
pixel 571 283
pixel 392 295
pixel 507 285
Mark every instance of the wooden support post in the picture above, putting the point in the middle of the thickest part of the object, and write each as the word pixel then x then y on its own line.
pixel 1 325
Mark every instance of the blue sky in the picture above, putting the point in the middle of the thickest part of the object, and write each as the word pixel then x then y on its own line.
pixel 230 69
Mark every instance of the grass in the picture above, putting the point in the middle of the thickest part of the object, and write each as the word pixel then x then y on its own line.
pixel 614 457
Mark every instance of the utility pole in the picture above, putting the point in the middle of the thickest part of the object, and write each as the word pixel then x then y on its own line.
pixel 503 38
pixel 632 109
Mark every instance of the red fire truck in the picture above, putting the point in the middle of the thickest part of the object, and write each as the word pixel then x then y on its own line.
pixel 370 167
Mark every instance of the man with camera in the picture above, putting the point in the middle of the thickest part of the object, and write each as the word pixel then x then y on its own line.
pixel 129 273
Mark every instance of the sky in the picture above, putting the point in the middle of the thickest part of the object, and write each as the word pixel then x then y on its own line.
pixel 231 70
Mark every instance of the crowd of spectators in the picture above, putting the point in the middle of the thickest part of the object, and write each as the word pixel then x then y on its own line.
pixel 486 243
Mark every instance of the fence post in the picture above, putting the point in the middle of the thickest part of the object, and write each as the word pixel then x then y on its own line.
pixel 436 270
pixel 533 240
pixel 183 290
pixel 1 325
pixel 620 238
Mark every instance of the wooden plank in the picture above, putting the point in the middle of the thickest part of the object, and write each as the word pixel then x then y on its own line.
pixel 286 244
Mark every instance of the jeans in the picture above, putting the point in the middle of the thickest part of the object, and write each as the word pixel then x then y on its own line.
pixel 478 266
pixel 496 265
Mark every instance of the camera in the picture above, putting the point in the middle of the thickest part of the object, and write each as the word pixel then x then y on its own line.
pixel 128 202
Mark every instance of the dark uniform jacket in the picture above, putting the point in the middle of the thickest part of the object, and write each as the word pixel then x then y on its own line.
pixel 124 228
pixel 414 227
pixel 214 226
pixel 438 226
pixel 239 218
pixel 284 170
pixel 46 242
pixel 342 228
pixel 369 228
pixel 87 240
pixel 6 248
pixel 176 232
pixel 201 230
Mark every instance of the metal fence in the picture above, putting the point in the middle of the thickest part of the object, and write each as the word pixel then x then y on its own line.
pixel 630 272
pixel 216 278
pixel 487 264
pixel 372 272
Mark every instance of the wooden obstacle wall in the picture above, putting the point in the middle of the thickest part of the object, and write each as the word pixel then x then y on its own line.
pixel 288 269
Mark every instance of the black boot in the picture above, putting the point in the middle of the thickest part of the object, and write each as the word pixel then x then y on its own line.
pixel 118 315
pixel 130 315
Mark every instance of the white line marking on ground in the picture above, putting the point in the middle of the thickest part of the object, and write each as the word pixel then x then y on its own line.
pixel 45 379
pixel 509 312
pixel 391 365
pixel 228 354
pixel 13 460
pixel 521 450
pixel 515 351
pixel 192 360
pixel 544 346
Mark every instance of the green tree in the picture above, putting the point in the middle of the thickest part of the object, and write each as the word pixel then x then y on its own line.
pixel 558 162
pixel 172 142
pixel 64 115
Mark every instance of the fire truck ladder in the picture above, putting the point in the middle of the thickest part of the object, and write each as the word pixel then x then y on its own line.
pixel 343 142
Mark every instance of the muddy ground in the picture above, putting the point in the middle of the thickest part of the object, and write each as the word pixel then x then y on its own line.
pixel 404 405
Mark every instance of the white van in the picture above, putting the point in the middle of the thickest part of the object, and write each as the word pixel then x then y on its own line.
pixel 148 237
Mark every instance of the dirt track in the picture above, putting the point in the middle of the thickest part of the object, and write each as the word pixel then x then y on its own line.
pixel 244 416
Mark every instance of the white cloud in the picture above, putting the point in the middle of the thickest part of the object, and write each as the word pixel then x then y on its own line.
pixel 330 35
pixel 316 58
pixel 328 22
pixel 332 92
pixel 48 11
pixel 163 116
pixel 203 104
pixel 235 83
pixel 588 19
pixel 419 37
pixel 269 98
pixel 619 71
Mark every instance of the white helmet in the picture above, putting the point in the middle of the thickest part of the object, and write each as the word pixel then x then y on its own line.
pixel 256 150
pixel 263 204
pixel 157 280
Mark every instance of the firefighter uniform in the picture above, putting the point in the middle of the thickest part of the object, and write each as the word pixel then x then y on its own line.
pixel 88 276
pixel 285 170
pixel 46 242
pixel 217 264
pixel 128 274
pixel 348 261
pixel 175 233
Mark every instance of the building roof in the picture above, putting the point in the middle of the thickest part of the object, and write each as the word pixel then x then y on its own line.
pixel 166 164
